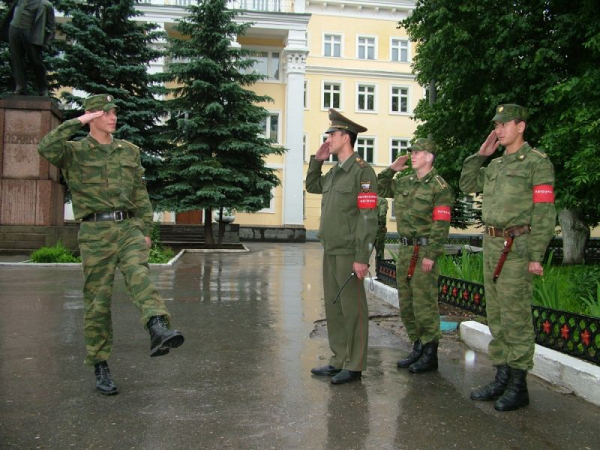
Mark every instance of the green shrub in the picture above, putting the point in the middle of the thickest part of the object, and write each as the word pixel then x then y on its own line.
pixel 56 254
pixel 160 254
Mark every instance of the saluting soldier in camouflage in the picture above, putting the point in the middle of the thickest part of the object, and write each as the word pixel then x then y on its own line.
pixel 422 202
pixel 382 208
pixel 347 232
pixel 109 196
pixel 518 206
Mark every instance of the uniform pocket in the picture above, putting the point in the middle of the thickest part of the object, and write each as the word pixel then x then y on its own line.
pixel 92 172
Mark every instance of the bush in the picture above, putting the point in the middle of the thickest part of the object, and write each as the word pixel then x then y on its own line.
pixel 56 254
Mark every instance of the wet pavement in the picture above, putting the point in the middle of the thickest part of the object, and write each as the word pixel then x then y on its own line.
pixel 253 327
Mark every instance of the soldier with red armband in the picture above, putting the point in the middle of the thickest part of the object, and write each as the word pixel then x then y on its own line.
pixel 422 202
pixel 519 216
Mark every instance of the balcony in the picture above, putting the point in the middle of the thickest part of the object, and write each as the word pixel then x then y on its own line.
pixel 283 6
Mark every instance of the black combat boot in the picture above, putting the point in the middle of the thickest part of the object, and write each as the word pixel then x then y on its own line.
pixel 104 383
pixel 414 356
pixel 161 338
pixel 428 361
pixel 325 371
pixel 496 388
pixel 516 394
pixel 346 376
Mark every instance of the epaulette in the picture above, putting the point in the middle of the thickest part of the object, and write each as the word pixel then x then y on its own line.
pixel 542 154
pixel 361 162
pixel 441 182
pixel 130 143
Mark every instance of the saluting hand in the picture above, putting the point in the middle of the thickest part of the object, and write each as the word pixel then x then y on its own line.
pixel 323 152
pixel 89 116
pixel 400 164
pixel 490 145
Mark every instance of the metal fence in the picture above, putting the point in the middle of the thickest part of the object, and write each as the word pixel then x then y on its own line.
pixel 569 333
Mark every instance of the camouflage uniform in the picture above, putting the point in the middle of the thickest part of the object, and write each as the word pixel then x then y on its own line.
pixel 382 208
pixel 417 203
pixel 347 233
pixel 508 185
pixel 106 178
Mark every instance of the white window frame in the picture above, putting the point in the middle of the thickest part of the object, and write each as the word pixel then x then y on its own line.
pixel 394 138
pixel 305 152
pixel 408 111
pixel 332 82
pixel 267 129
pixel 375 47
pixel 271 208
pixel 341 43
pixel 358 93
pixel 364 156
pixel 399 47
pixel 306 94
pixel 269 51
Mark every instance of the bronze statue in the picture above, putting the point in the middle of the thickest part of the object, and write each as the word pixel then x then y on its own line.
pixel 30 28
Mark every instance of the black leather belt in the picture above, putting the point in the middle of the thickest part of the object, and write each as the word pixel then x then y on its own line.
pixel 117 216
pixel 422 241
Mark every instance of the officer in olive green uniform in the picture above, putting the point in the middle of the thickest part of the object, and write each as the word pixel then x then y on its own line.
pixel 382 208
pixel 347 233
pixel 518 210
pixel 105 177
pixel 422 201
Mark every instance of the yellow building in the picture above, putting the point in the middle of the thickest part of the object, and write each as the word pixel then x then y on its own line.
pixel 318 54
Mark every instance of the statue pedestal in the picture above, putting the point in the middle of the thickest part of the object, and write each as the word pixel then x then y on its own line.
pixel 30 192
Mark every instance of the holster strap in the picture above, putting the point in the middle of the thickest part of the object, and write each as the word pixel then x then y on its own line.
pixel 506 232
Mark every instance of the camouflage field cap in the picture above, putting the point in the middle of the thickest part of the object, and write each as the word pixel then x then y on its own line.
pixel 508 112
pixel 339 122
pixel 103 102
pixel 423 145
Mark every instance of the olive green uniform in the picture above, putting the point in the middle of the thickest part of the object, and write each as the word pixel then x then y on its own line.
pixel 509 199
pixel 106 178
pixel 347 234
pixel 417 203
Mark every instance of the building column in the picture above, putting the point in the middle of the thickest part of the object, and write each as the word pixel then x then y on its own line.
pixel 293 178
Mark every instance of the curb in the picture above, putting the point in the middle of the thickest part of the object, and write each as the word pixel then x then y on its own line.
pixel 577 376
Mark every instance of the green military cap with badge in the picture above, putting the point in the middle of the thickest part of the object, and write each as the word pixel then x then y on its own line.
pixel 510 111
pixel 101 102
pixel 339 122
pixel 423 145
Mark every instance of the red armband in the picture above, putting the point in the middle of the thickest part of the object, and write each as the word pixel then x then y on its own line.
pixel 367 200
pixel 543 193
pixel 441 213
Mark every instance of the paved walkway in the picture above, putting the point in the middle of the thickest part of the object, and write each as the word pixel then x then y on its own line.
pixel 242 379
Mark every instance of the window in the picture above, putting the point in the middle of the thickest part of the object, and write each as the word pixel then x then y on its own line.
pixel 271 127
pixel 270 207
pixel 365 147
pixel 366 48
pixel 304 139
pixel 332 158
pixel 398 148
pixel 267 63
pixel 366 97
pixel 399 102
pixel 399 50
pixel 305 94
pixel 332 95
pixel 332 45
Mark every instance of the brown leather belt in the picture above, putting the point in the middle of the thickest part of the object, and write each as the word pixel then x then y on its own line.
pixel 117 216
pixel 506 232
pixel 422 241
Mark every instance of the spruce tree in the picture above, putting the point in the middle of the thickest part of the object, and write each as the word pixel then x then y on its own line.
pixel 106 51
pixel 6 83
pixel 216 124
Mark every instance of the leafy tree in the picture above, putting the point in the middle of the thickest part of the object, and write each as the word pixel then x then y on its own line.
pixel 218 157
pixel 106 51
pixel 542 54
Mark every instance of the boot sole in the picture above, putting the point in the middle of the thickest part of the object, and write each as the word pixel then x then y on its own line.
pixel 513 408
pixel 108 392
pixel 432 369
pixel 163 347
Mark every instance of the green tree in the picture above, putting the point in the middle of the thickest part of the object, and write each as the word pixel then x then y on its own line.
pixel 6 82
pixel 216 123
pixel 542 54
pixel 106 51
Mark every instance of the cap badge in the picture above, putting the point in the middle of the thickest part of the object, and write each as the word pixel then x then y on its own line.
pixel 109 98
pixel 501 108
